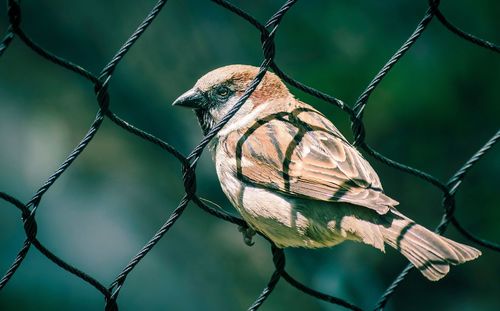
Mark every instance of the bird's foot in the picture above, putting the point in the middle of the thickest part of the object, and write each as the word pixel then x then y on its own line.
pixel 248 234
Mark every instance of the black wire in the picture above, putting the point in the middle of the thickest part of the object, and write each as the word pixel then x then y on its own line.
pixel 268 32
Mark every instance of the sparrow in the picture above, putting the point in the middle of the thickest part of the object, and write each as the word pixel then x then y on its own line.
pixel 295 178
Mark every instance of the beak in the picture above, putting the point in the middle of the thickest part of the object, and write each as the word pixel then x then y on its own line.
pixel 191 99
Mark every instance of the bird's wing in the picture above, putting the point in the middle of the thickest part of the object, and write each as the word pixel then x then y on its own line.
pixel 301 153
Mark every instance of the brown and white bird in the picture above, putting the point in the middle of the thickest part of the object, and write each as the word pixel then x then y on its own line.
pixel 295 178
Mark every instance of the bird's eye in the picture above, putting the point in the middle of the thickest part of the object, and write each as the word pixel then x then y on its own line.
pixel 222 91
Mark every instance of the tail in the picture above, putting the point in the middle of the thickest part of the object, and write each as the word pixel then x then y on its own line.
pixel 429 252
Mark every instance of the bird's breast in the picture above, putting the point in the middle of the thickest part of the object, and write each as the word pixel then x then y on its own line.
pixel 287 220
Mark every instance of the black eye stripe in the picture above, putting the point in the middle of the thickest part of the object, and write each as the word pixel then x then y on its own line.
pixel 220 93
pixel 222 90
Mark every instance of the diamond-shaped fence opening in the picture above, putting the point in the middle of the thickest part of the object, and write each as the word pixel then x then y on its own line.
pixel 268 31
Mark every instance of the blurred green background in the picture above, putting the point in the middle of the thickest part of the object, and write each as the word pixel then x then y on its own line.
pixel 433 111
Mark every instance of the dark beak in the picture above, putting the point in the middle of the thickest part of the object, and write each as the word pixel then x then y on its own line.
pixel 191 99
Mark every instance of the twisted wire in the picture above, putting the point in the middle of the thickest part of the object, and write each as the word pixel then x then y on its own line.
pixel 188 163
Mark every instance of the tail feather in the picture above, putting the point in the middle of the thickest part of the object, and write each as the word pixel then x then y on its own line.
pixel 429 252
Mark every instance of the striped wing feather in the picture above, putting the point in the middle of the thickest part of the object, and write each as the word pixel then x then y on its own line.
pixel 301 153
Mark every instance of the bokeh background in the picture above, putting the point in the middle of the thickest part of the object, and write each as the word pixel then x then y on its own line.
pixel 433 111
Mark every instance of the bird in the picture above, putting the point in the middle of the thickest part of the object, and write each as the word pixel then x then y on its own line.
pixel 297 180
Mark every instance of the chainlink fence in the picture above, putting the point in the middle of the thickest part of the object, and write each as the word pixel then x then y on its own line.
pixel 268 32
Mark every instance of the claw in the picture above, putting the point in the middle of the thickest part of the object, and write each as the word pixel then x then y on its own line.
pixel 248 234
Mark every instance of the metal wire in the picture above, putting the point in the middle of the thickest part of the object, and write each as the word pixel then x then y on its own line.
pixel 268 32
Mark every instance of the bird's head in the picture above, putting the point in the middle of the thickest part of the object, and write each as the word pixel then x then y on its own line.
pixel 217 92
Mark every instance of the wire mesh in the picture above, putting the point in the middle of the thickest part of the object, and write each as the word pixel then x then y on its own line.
pixel 268 33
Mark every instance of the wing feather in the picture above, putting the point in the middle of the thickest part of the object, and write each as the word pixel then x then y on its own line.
pixel 301 153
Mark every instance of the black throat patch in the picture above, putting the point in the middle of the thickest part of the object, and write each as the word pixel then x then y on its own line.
pixel 205 120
